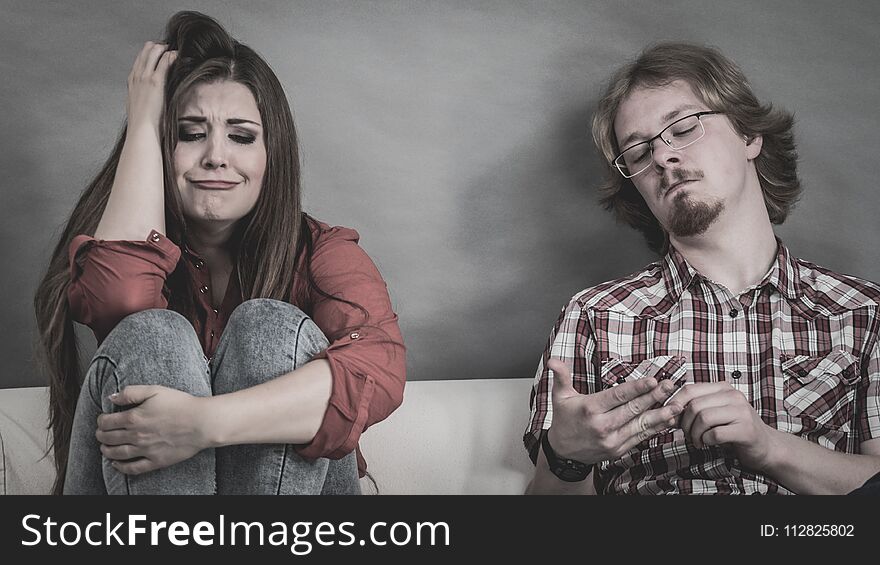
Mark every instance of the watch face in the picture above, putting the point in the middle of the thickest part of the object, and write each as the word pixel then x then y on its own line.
pixel 569 474
pixel 567 470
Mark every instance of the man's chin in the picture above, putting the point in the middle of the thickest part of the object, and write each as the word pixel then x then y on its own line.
pixel 691 217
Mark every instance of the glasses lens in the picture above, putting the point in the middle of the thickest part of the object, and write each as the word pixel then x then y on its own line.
pixel 634 160
pixel 677 135
pixel 683 132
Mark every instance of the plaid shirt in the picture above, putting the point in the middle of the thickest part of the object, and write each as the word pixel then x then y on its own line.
pixel 802 346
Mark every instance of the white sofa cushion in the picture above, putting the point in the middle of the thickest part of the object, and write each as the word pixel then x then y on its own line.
pixel 24 437
pixel 448 437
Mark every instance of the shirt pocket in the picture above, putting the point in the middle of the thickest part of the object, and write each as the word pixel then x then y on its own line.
pixel 821 389
pixel 616 371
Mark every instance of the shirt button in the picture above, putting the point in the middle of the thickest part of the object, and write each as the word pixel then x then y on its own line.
pixel 216 311
pixel 155 237
pixel 200 264
pixel 212 334
pixel 355 335
pixel 733 312
pixel 736 374
pixel 204 289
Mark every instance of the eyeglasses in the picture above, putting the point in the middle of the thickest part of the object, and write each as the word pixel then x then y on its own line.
pixel 681 133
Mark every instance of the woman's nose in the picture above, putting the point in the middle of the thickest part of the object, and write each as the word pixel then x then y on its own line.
pixel 215 152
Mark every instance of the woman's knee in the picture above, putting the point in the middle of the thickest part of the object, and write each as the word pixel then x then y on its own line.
pixel 150 347
pixel 150 332
pixel 263 323
pixel 264 339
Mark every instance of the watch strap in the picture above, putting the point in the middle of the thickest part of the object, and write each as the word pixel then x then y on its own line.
pixel 568 470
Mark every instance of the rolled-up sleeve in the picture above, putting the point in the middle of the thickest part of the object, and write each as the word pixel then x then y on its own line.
pixel 366 351
pixel 111 279
pixel 869 396
pixel 571 341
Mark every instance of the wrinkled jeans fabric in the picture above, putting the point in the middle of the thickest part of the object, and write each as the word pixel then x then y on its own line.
pixel 263 339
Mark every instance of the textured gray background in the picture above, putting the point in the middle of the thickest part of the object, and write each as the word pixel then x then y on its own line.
pixel 453 135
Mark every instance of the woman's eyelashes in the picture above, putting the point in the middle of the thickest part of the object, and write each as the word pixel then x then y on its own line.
pixel 190 136
pixel 240 138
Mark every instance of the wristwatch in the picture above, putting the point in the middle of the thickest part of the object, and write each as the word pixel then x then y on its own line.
pixel 568 470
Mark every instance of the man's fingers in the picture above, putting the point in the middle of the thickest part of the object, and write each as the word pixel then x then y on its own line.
pixel 697 405
pixel 609 399
pixel 691 391
pixel 562 387
pixel 709 419
pixel 640 404
pixel 647 425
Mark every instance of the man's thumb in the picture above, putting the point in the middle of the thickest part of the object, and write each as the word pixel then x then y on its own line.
pixel 561 378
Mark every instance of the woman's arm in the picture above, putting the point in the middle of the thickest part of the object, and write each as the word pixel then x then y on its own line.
pixel 322 407
pixel 170 426
pixel 325 405
pixel 123 268
pixel 137 204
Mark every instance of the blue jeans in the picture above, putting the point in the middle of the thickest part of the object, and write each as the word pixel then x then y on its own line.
pixel 263 339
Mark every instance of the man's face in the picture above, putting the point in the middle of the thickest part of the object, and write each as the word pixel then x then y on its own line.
pixel 689 189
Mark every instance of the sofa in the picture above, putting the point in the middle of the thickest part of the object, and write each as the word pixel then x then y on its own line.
pixel 448 437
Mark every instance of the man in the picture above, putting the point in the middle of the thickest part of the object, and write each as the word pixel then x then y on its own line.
pixel 729 366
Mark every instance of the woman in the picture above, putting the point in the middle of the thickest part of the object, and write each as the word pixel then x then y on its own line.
pixel 243 345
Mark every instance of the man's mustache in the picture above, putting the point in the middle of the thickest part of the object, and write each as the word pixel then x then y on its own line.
pixel 675 176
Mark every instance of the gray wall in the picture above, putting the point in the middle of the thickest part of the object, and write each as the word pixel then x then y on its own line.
pixel 453 135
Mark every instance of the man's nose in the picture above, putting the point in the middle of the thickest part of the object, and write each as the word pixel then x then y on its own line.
pixel 664 155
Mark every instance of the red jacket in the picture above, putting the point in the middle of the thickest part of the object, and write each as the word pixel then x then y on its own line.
pixel 112 279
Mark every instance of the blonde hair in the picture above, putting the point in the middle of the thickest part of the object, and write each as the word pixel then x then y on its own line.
pixel 721 85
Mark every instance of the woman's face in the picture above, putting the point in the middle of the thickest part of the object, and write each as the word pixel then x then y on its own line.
pixel 220 157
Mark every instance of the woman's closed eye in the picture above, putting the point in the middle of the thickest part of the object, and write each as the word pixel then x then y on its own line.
pixel 190 135
pixel 242 139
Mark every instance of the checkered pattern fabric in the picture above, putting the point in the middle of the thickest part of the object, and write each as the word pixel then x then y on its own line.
pixel 802 346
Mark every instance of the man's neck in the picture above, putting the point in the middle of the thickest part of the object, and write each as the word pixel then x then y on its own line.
pixel 732 252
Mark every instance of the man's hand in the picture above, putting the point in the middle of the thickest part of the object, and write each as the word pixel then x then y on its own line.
pixel 605 425
pixel 718 414
pixel 161 430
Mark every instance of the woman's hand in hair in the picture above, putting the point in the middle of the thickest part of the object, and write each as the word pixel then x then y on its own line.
pixel 163 426
pixel 146 85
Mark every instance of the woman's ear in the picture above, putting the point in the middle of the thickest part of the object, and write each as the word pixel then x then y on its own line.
pixel 753 147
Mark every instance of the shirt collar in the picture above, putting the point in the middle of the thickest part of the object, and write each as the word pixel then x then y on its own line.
pixel 677 272
pixel 783 274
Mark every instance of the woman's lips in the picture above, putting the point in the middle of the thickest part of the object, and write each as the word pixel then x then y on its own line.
pixel 214 184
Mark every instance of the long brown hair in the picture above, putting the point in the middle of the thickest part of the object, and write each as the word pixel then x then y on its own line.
pixel 273 241
pixel 721 84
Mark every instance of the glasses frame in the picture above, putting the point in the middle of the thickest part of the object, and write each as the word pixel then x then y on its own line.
pixel 650 142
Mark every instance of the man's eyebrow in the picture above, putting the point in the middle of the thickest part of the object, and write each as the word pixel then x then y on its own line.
pixel 666 117
pixel 677 111
pixel 230 121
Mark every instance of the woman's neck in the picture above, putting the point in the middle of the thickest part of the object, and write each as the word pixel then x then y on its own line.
pixel 212 242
